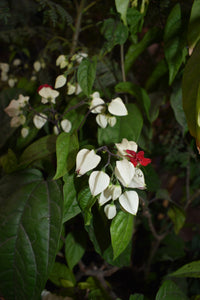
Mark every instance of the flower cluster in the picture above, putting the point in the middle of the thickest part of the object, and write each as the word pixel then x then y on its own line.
pixel 16 112
pixel 115 108
pixel 5 70
pixel 127 175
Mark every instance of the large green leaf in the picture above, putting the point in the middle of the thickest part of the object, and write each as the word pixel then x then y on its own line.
pixel 66 149
pixel 31 221
pixel 71 206
pixel 74 248
pixel 38 150
pixel 189 270
pixel 174 44
pixel 86 75
pixel 128 127
pixel 191 95
pixel 193 35
pixel 121 231
pixel 170 291
pixel 122 6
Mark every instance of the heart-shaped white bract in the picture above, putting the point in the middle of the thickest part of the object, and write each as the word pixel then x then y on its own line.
pixel 86 160
pixel 129 200
pixel 98 182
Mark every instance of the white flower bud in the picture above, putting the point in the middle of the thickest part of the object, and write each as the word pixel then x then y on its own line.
pixel 129 200
pixel 70 89
pixel 37 66
pixel 66 125
pixel 39 120
pixel 86 160
pixel 110 211
pixel 60 81
pixel 61 61
pixel 101 120
pixel 98 182
pixel 124 171
pixel 117 107
pixel 111 121
pixel 16 62
pixel 24 132
pixel 95 105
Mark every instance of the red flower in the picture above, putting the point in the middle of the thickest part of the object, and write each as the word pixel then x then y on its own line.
pixel 44 85
pixel 138 158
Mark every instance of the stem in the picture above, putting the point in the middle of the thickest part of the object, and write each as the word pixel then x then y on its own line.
pixel 122 62
pixel 77 26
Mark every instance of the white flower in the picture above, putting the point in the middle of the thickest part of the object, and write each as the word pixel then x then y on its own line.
pixel 129 200
pixel 111 121
pixel 16 121
pixel 126 145
pixel 70 88
pixel 117 107
pixel 16 62
pixel 97 101
pixel 110 211
pixel 4 67
pixel 48 94
pixel 11 82
pixel 39 120
pixel 86 160
pixel 37 66
pixel 55 130
pixel 24 132
pixel 124 171
pixel 79 57
pixel 13 109
pixel 61 61
pixel 138 180
pixel 66 125
pixel 98 182
pixel 23 100
pixel 60 81
pixel 111 192
pixel 78 89
pixel 101 120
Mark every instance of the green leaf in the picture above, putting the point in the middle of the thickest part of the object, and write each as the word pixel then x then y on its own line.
pixel 31 222
pixel 193 34
pixel 160 70
pixel 191 94
pixel 177 215
pixel 86 201
pixel 9 161
pixel 60 274
pixel 128 127
pixel 38 150
pixel 74 248
pixel 174 44
pixel 170 291
pixel 136 297
pixel 177 106
pixel 71 206
pixel 136 49
pixel 66 150
pixel 115 32
pixel 121 231
pixel 123 260
pixel 134 20
pixel 86 75
pixel 122 6
pixel 141 95
pixel 189 270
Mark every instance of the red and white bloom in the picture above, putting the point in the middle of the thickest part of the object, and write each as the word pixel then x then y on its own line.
pixel 47 93
pixel 125 145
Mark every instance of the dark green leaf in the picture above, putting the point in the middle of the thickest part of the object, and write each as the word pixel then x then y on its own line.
pixel 66 150
pixel 193 34
pixel 38 150
pixel 170 291
pixel 128 127
pixel 191 95
pixel 86 75
pixel 160 70
pixel 71 206
pixel 86 201
pixel 136 297
pixel 175 48
pixel 74 248
pixel 9 161
pixel 136 49
pixel 134 20
pixel 189 270
pixel 177 215
pixel 31 222
pixel 121 231
pixel 60 273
